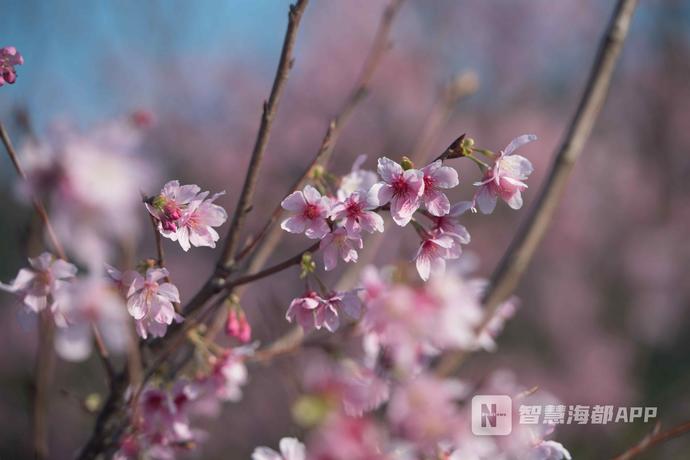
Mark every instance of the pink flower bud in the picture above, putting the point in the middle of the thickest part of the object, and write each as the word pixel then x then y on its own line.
pixel 238 327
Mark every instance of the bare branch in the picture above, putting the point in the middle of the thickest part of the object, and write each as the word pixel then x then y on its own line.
pixel 515 261
pixel 269 112
pixel 37 203
pixel 270 234
pixel 653 440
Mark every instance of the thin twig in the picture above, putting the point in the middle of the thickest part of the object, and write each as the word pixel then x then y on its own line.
pixel 270 234
pixel 653 440
pixel 37 203
pixel 515 261
pixel 269 111
pixel 159 242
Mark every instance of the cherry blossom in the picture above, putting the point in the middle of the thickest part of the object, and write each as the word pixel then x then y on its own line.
pixel 437 177
pixel 311 211
pixel 290 449
pixel 227 377
pixel 357 215
pixel 169 205
pixel 314 312
pixel 403 189
pixel 151 303
pixel 37 286
pixel 358 180
pixel 349 438
pixel 339 244
pixel 433 252
pixel 186 215
pixel 197 222
pixel 505 178
pixel 162 426
pixel 9 58
pixel 91 182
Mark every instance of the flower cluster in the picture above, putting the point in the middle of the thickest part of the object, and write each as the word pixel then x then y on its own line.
pixel 185 214
pixel 9 58
pixel 162 427
pixel 382 400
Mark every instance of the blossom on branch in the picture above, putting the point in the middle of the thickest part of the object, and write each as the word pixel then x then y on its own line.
pixel 151 303
pixel 9 58
pixel 186 215
pixel 339 244
pixel 437 177
pixel 311 211
pixel 432 254
pixel 402 188
pixel 314 312
pixel 357 215
pixel 357 180
pixel 505 178
pixel 38 285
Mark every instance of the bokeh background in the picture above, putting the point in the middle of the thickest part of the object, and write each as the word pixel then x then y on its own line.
pixel 604 316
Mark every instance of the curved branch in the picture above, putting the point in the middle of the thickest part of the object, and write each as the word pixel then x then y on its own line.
pixel 654 439
pixel 515 261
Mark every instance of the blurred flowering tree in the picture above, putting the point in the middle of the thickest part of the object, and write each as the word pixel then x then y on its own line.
pixel 378 356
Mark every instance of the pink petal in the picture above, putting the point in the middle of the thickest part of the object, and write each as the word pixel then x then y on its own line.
pixel 294 202
pixel 518 142
pixel 295 224
pixel 436 203
pixel 388 169
pixel 311 195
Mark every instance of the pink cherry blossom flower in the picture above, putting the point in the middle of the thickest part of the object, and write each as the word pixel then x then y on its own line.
pixel 311 211
pixel 433 252
pixel 38 285
pixel 437 177
pixel 9 58
pixel 185 215
pixel 227 377
pixel 357 215
pixel 195 227
pixel 290 449
pixel 358 180
pixel 162 426
pixel 151 303
pixel 403 189
pixel 313 312
pixel 169 205
pixel 449 222
pixel 339 244
pixel 237 326
pixel 505 178
pixel 122 280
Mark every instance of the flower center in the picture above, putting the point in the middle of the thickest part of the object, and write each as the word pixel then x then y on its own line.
pixel 311 211
pixel 399 186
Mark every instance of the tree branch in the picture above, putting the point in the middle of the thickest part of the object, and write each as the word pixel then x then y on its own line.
pixel 652 440
pixel 269 111
pixel 269 235
pixel 515 261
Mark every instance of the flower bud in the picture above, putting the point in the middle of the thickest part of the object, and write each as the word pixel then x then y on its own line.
pixel 406 163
